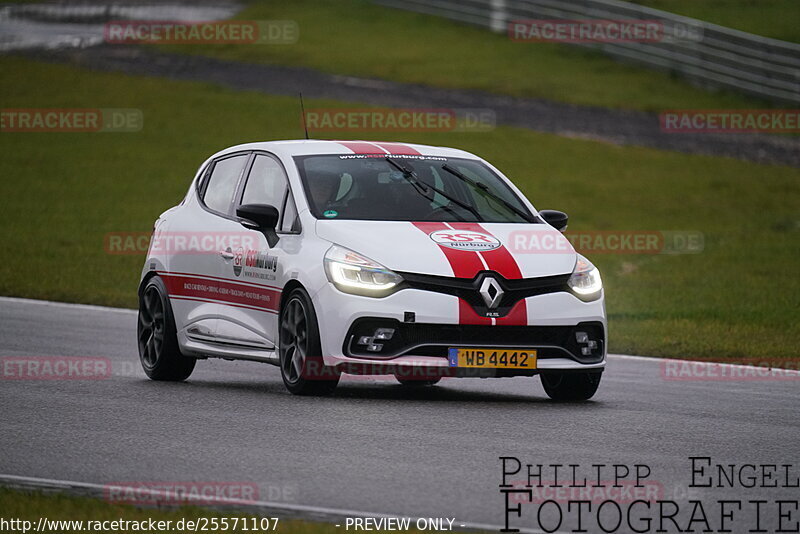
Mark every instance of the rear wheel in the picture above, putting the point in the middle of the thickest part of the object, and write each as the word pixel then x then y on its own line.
pixel 303 370
pixel 577 386
pixel 159 353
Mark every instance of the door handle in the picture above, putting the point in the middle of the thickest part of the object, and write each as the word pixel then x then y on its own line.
pixel 227 255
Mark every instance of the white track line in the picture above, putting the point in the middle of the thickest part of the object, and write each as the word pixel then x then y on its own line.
pixel 87 307
pixel 100 491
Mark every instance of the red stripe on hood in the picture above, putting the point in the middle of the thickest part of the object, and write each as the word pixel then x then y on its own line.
pixel 465 264
pixel 467 315
pixel 399 149
pixel 500 259
pixel 502 262
pixel 518 316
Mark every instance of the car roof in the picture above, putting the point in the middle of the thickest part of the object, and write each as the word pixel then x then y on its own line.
pixel 306 147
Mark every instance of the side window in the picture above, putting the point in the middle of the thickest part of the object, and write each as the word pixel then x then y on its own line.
pixel 290 221
pixel 222 183
pixel 266 183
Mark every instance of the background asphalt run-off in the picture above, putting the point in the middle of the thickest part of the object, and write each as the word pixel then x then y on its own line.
pixel 623 127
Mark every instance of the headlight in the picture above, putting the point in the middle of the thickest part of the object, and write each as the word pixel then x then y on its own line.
pixel 585 281
pixel 353 273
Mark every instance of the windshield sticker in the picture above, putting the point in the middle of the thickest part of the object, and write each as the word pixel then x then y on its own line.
pixel 465 240
pixel 330 214
pixel 393 156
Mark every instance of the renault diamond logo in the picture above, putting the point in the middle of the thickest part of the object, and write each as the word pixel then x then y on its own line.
pixel 491 292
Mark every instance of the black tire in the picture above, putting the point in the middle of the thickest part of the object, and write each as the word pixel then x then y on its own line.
pixel 418 383
pixel 576 386
pixel 157 338
pixel 302 368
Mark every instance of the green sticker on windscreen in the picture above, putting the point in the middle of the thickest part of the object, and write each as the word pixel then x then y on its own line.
pixel 330 214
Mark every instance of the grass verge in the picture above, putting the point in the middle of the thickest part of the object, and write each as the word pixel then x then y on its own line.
pixel 63 192
pixel 771 18
pixel 415 48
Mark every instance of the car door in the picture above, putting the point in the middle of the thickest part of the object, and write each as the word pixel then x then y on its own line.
pixel 196 241
pixel 257 271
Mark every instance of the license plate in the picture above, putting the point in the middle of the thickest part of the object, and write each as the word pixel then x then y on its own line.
pixel 493 358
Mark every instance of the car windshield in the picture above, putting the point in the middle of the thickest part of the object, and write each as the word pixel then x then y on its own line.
pixel 407 188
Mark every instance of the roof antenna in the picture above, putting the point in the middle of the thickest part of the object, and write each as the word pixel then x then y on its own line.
pixel 303 111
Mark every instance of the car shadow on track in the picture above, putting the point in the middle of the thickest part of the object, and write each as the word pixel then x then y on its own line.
pixel 444 394
pixel 447 392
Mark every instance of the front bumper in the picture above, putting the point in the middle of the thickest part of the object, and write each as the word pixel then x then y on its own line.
pixel 435 339
pixel 552 321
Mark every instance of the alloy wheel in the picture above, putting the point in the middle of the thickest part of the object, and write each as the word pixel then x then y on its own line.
pixel 151 327
pixel 294 339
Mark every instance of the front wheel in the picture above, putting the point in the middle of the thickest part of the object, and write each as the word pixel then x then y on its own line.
pixel 157 338
pixel 302 368
pixel 575 386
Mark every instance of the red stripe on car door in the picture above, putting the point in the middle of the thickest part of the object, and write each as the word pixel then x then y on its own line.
pixel 236 294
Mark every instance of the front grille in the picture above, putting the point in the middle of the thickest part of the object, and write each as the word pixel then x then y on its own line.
pixel 423 339
pixel 468 289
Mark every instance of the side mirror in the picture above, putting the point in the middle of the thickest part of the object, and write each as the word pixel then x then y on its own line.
pixel 260 217
pixel 556 219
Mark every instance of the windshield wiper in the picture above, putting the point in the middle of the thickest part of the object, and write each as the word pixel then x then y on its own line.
pixel 410 177
pixel 484 189
pixel 422 187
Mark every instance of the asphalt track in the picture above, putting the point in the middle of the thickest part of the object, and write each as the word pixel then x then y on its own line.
pixel 375 446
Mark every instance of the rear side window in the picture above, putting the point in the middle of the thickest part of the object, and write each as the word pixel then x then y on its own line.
pixel 221 185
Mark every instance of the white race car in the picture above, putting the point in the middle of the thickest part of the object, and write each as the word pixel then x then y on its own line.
pixel 331 257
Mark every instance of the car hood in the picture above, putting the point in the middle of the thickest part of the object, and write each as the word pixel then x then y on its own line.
pixel 456 249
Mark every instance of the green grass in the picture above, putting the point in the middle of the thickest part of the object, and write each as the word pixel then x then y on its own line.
pixel 62 192
pixel 359 38
pixel 31 506
pixel 771 18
